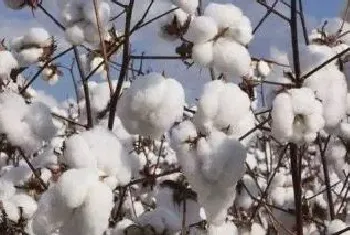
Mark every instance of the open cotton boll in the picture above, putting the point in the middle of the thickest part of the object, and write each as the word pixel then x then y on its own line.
pixel 11 210
pixel 263 68
pixel 7 189
pixel 71 13
pixel 103 13
pixel 74 185
pixel 92 217
pixel 75 34
pixel 330 87
pixel 37 36
pixel 51 213
pixel 282 117
pixel 27 203
pixel 303 100
pixel 77 153
pixel 201 29
pixel 29 56
pixel 7 64
pixel 188 6
pixel 203 53
pixel 257 229
pixel 336 226
pixel 231 58
pixel 151 105
pixel 225 15
pixel 227 228
pixel 15 4
pixel 91 34
pixel 221 105
pixel 241 32
pixel 312 56
pixel 39 119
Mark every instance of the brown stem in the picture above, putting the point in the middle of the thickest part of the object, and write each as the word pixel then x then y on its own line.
pixel 124 69
pixel 303 23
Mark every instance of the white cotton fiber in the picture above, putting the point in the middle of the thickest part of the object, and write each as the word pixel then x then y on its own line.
pixel 103 13
pixel 151 105
pixel 14 4
pixel 27 203
pixel 74 184
pixel 241 32
pixel 201 29
pixel 231 58
pixel 225 15
pixel 37 36
pixel 7 189
pixel 203 53
pixel 29 56
pixel 188 6
pixel 227 228
pixel 7 64
pixel 75 34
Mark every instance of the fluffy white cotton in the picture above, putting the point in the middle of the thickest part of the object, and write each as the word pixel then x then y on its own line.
pixel 241 32
pixel 7 189
pixel 201 29
pixel 330 88
pixel 263 68
pixel 335 226
pixel 312 56
pixel 203 53
pixel 210 167
pixel 14 4
pixel 11 210
pixel 103 13
pixel 225 15
pixel 224 229
pixel 231 58
pixel 188 6
pixel 36 36
pixel 223 106
pixel 296 116
pixel 257 229
pixel 7 64
pixel 26 126
pixel 29 56
pixel 27 203
pixel 101 150
pixel 67 189
pixel 151 105
pixel 92 217
pixel 75 34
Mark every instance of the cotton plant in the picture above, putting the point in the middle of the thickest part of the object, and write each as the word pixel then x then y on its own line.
pixel 297 116
pixel 151 105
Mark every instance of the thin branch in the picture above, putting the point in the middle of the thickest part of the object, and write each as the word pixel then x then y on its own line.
pixel 68 120
pixel 263 3
pixel 303 23
pixel 268 13
pixel 125 66
pixel 51 17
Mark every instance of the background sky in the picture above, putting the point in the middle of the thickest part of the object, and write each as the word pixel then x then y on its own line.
pixel 271 39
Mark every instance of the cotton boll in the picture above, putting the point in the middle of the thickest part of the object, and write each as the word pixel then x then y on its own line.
pixel 188 6
pixel 282 117
pixel 39 119
pixel 7 64
pixel 11 210
pixel 29 56
pixel 74 185
pixel 27 204
pixel 15 4
pixel 231 58
pixel 225 15
pixel 303 100
pixel 75 34
pixel 203 53
pixel 77 153
pixel 201 29
pixel 7 189
pixel 336 226
pixel 71 13
pixel 263 68
pixel 257 229
pixel 241 32
pixel 103 13
pixel 345 130
pixel 151 105
pixel 92 217
pixel 37 36
pixel 226 228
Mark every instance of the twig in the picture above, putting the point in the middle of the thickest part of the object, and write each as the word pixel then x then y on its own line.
pixel 68 120
pixel 268 13
pixel 124 69
pixel 303 23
